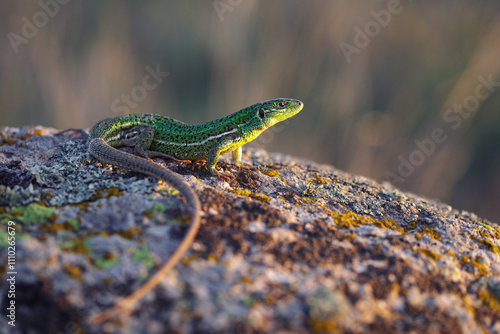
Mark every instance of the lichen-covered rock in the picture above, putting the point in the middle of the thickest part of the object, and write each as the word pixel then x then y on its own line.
pixel 292 247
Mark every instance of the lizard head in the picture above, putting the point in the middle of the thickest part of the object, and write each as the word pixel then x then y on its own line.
pixel 265 114
pixel 261 116
pixel 274 111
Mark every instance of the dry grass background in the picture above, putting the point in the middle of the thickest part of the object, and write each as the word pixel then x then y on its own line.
pixel 360 116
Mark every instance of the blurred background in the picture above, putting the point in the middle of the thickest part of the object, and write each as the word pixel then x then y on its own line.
pixel 400 91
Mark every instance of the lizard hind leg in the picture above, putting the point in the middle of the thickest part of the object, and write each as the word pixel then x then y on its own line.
pixel 143 143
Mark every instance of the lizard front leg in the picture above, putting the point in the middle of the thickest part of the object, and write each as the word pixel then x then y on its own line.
pixel 237 160
pixel 213 157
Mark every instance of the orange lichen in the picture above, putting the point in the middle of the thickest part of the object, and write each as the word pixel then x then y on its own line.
pixel 488 243
pixel 489 299
pixel 349 219
pixel 429 253
pixel 318 179
pixel 73 271
pixel 105 193
pixel 432 233
pixel 260 197
pixel 271 172
pixel 474 264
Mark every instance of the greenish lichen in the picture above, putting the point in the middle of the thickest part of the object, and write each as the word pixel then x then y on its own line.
pixel 83 246
pixel 33 213
pixel 75 223
pixel 4 237
pixel 143 256
pixel 154 209
pixel 106 261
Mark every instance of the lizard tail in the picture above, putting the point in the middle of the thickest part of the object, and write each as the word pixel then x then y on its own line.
pixel 105 153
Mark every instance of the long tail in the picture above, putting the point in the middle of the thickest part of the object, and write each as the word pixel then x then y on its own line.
pixel 105 153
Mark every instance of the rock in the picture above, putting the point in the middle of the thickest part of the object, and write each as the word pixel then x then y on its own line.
pixel 293 247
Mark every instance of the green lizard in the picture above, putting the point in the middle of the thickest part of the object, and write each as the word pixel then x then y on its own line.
pixel 160 136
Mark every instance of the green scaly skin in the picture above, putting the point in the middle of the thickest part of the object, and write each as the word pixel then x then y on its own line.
pixel 156 135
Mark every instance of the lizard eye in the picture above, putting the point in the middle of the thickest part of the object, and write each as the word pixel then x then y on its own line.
pixel 281 105
pixel 261 113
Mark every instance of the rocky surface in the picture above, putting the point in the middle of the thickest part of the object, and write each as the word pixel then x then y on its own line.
pixel 292 247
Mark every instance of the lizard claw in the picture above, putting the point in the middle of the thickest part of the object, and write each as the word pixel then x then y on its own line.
pixel 247 166
pixel 225 176
pixel 228 177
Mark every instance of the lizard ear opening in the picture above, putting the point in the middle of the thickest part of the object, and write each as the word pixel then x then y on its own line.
pixel 261 113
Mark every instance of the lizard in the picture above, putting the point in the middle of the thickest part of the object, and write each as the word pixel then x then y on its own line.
pixel 160 136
